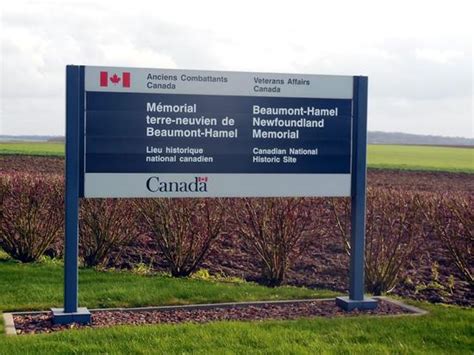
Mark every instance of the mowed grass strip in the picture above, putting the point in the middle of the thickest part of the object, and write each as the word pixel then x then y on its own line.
pixel 32 148
pixel 445 330
pixel 431 158
pixel 40 287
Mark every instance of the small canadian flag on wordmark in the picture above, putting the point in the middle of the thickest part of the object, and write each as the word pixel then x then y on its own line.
pixel 123 80
pixel 202 179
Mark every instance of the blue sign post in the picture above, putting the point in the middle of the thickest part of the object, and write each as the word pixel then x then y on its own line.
pixel 177 133
pixel 74 117
pixel 356 297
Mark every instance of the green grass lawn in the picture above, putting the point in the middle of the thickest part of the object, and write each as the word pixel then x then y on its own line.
pixel 405 157
pixel 412 157
pixel 444 330
pixel 40 287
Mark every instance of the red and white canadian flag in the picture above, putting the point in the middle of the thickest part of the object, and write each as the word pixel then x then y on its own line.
pixel 115 79
pixel 202 179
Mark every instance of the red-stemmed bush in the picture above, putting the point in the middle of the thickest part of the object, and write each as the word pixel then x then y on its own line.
pixel 275 229
pixel 184 229
pixel 452 219
pixel 394 230
pixel 105 225
pixel 31 214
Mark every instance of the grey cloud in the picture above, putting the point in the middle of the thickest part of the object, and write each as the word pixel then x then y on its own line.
pixel 408 91
pixel 395 71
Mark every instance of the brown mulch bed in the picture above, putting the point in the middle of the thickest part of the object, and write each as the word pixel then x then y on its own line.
pixel 42 323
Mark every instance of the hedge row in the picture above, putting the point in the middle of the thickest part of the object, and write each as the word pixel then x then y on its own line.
pixel 276 229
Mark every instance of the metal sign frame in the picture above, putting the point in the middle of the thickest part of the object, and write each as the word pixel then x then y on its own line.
pixel 75 106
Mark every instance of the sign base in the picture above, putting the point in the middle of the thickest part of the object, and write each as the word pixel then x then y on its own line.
pixel 82 316
pixel 348 305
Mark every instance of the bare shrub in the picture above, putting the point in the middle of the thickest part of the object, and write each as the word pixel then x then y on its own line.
pixel 452 219
pixel 394 230
pixel 275 228
pixel 105 225
pixel 184 229
pixel 31 214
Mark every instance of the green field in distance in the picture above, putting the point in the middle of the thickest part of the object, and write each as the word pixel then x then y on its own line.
pixel 33 148
pixel 417 157
pixel 406 157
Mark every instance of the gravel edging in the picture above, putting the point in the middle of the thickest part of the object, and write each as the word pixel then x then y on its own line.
pixel 41 322
pixel 415 310
pixel 9 324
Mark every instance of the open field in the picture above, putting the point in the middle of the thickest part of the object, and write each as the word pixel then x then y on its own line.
pixel 446 329
pixel 32 148
pixel 412 157
pixel 429 158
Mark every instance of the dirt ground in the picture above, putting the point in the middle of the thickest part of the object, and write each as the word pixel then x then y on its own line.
pixel 413 180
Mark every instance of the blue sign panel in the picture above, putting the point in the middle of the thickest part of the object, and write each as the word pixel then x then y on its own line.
pixel 156 132
pixel 173 133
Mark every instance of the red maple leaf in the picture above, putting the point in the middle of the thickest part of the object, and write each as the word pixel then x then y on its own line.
pixel 115 79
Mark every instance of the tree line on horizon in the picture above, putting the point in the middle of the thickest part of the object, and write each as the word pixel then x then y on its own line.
pixel 374 137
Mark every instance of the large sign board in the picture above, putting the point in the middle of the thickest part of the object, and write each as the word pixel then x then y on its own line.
pixel 182 133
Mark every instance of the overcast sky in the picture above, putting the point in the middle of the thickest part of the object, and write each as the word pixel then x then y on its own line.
pixel 417 54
